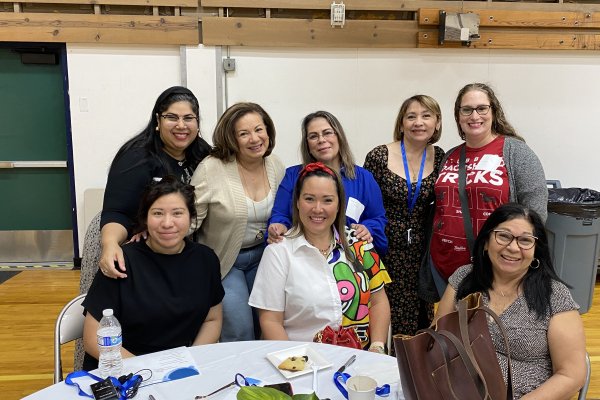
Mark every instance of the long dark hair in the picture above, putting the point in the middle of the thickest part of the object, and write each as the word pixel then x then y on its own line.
pixel 157 189
pixel 537 282
pixel 150 140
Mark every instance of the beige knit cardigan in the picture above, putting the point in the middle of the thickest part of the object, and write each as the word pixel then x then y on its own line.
pixel 221 205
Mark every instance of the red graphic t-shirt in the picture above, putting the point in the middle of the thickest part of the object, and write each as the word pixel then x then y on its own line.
pixel 487 188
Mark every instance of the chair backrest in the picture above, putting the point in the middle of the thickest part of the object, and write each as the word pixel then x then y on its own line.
pixel 68 327
pixel 586 385
pixel 92 204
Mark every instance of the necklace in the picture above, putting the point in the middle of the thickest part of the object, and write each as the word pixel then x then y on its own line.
pixel 508 298
pixel 325 252
pixel 181 163
pixel 260 235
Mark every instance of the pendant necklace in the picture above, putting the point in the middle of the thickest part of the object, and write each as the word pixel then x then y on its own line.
pixel 412 198
pixel 324 252
pixel 507 299
pixel 260 235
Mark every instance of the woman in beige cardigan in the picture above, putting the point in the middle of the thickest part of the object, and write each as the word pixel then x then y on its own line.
pixel 235 189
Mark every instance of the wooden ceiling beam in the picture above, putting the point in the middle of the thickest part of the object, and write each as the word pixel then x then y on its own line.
pixel 518 41
pixel 161 3
pixel 400 5
pixel 520 19
pixel 307 33
pixel 89 28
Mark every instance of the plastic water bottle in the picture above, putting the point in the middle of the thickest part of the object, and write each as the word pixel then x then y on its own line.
pixel 109 336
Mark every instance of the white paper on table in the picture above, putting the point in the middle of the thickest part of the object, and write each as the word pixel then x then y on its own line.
pixel 381 372
pixel 354 209
pixel 168 365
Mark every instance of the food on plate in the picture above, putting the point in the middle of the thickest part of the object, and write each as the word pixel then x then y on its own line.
pixel 294 363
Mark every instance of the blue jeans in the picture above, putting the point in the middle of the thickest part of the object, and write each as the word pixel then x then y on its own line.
pixel 239 319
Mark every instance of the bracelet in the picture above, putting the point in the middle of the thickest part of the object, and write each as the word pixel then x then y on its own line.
pixel 377 348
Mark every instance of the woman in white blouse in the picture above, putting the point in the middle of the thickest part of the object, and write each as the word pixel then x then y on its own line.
pixel 320 275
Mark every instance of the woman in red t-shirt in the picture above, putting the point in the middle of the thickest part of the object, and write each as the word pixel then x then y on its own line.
pixel 499 168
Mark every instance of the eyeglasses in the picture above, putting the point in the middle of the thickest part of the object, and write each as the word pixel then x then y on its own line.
pixel 239 380
pixel 504 238
pixel 172 119
pixel 481 110
pixel 314 136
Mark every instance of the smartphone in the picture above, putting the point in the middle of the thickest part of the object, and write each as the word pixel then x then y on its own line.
pixel 284 387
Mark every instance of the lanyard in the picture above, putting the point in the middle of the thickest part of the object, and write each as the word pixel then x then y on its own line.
pixel 382 391
pixel 412 199
pixel 121 388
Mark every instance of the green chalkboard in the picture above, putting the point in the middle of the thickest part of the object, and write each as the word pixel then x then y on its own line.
pixel 33 128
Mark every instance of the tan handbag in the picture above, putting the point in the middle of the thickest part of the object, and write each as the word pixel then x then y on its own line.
pixel 455 359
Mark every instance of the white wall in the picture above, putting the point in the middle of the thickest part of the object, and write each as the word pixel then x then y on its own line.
pixel 550 97
pixel 119 85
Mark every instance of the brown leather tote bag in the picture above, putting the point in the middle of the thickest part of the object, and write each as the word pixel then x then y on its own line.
pixel 455 359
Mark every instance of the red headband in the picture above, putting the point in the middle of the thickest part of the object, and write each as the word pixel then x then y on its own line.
pixel 316 166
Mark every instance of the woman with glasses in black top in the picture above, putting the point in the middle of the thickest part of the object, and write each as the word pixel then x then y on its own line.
pixel 169 144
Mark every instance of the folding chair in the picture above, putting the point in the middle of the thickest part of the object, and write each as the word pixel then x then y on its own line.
pixel 69 326
pixel 586 385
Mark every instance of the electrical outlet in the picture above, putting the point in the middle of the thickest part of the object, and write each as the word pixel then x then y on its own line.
pixel 338 14
pixel 229 64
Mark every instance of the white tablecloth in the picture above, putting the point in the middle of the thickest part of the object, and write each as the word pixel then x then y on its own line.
pixel 218 363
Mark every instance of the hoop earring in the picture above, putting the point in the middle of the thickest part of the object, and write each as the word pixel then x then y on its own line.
pixel 537 265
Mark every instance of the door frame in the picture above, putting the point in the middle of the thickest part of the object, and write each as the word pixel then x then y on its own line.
pixel 60 49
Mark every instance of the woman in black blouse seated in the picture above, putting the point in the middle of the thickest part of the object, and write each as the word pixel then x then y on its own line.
pixel 172 294
pixel 170 144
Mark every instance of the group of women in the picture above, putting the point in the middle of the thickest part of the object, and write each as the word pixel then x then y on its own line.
pixel 348 246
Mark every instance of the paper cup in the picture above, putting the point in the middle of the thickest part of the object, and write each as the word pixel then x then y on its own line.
pixel 361 388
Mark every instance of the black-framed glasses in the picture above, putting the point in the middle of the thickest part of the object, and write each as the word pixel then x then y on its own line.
pixel 239 380
pixel 504 238
pixel 314 136
pixel 174 118
pixel 481 110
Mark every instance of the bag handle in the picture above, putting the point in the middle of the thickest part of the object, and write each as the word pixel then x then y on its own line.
pixel 444 349
pixel 464 200
pixel 464 333
pixel 509 388
pixel 466 340
pixel 470 363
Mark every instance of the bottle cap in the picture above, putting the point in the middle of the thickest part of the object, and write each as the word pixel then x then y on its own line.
pixel 107 312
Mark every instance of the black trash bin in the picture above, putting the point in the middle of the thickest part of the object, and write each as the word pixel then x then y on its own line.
pixel 573 227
